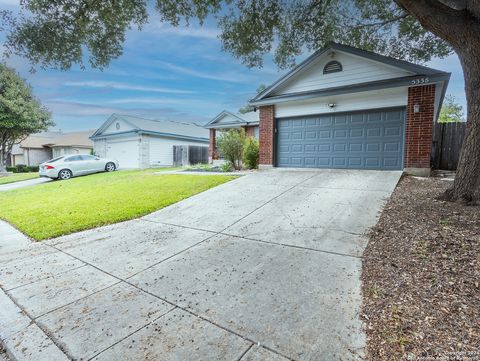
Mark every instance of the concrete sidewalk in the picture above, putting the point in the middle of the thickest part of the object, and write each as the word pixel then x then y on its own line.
pixel 23 184
pixel 266 267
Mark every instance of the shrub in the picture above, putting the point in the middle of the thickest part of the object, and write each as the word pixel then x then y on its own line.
pixel 230 145
pixel 250 153
pixel 226 167
pixel 22 168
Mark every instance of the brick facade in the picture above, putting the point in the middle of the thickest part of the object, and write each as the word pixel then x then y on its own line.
pixel 419 127
pixel 211 145
pixel 267 132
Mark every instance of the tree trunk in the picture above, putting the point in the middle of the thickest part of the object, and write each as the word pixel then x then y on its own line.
pixel 3 159
pixel 466 186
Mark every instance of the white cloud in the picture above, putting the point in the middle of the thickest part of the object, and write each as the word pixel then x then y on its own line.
pixel 123 86
pixel 236 77
pixel 182 30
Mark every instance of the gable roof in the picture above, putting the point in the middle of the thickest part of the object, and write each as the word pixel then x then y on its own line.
pixel 78 139
pixel 237 119
pixel 165 128
pixel 58 139
pixel 414 69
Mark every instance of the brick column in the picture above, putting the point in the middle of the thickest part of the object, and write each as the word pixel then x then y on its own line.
pixel 267 132
pixel 211 146
pixel 419 129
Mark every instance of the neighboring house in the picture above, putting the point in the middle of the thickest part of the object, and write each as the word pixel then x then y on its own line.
pixel 73 143
pixel 38 148
pixel 348 108
pixel 227 120
pixel 141 143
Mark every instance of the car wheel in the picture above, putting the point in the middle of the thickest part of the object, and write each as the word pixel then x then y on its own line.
pixel 65 174
pixel 110 167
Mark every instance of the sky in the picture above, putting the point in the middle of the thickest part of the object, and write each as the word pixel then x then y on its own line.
pixel 166 73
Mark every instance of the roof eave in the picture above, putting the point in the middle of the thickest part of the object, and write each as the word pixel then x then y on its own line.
pixel 353 88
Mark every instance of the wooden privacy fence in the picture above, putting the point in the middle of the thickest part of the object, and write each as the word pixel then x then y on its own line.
pixel 447 144
pixel 184 155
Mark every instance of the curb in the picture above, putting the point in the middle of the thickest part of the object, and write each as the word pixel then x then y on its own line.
pixel 21 337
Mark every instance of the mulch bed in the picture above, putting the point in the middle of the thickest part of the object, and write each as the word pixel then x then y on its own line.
pixel 421 275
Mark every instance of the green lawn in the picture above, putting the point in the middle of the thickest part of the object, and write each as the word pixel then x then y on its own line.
pixel 61 207
pixel 17 177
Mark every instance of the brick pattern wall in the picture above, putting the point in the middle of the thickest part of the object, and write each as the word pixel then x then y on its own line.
pixel 419 129
pixel 267 131
pixel 211 145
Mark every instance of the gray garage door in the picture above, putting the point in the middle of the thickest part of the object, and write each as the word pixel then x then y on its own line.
pixel 357 140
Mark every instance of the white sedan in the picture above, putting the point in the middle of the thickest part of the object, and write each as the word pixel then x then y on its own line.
pixel 69 166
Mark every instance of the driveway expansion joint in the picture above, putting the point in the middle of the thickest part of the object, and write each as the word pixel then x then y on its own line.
pixel 132 333
pixel 175 306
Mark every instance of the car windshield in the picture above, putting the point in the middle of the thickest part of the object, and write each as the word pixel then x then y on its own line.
pixel 54 160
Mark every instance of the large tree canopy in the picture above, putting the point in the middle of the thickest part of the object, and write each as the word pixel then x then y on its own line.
pixel 21 114
pixel 61 33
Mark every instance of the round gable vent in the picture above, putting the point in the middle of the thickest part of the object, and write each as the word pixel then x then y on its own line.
pixel 117 126
pixel 332 67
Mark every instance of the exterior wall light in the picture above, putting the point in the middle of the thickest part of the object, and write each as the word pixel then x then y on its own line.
pixel 332 105
pixel 416 108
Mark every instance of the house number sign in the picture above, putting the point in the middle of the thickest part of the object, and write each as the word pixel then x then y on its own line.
pixel 420 81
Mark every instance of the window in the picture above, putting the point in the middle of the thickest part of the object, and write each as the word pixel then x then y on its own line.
pixel 54 159
pixel 75 158
pixel 87 157
pixel 332 67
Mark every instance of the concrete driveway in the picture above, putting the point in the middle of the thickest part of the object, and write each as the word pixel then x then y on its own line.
pixel 266 267
pixel 23 184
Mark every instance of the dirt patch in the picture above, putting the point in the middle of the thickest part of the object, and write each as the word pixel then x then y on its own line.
pixel 421 276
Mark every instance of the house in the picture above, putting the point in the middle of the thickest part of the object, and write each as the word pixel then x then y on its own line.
pixel 40 147
pixel 141 143
pixel 72 143
pixel 228 120
pixel 347 108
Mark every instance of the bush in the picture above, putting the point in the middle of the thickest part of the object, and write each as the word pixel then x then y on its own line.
pixel 22 168
pixel 250 153
pixel 226 167
pixel 230 145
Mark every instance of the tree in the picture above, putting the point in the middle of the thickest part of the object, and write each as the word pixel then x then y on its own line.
pixel 230 145
pixel 451 112
pixel 250 108
pixel 20 113
pixel 59 33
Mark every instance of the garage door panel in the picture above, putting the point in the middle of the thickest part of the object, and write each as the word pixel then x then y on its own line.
pixel 361 140
pixel 310 134
pixel 357 133
pixel 354 162
pixel 357 119
pixel 392 131
pixel 374 132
